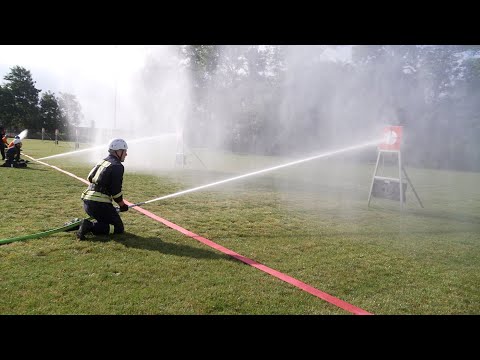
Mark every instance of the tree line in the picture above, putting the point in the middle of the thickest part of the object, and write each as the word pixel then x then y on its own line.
pixel 270 99
pixel 22 106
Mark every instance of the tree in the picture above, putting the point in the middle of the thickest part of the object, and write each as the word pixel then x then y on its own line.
pixel 201 62
pixel 71 110
pixel 7 105
pixel 50 113
pixel 25 99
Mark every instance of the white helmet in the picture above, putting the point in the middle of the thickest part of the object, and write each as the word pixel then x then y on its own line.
pixel 117 144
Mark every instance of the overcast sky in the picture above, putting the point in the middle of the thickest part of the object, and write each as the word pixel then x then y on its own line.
pixel 98 75
pixel 60 67
pixel 56 66
pixel 90 72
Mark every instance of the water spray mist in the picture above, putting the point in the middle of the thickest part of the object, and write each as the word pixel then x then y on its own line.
pixel 335 152
pixel 99 147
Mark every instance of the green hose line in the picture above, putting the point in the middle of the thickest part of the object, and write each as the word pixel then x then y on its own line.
pixel 70 225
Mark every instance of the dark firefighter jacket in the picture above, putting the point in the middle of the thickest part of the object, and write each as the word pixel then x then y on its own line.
pixel 13 153
pixel 106 180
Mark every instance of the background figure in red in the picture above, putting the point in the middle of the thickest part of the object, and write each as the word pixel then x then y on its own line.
pixel 3 141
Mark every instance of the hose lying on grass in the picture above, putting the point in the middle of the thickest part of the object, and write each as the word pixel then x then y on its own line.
pixel 66 227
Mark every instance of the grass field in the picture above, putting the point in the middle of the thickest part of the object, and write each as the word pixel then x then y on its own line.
pixel 309 221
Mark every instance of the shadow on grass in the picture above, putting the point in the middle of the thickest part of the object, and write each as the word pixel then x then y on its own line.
pixel 130 240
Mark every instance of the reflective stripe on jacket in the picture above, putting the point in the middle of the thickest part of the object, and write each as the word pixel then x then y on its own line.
pixel 105 181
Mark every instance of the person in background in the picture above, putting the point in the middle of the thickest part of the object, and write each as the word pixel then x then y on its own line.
pixel 106 180
pixel 3 141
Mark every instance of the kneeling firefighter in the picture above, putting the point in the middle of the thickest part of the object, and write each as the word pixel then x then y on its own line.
pixel 13 154
pixel 106 179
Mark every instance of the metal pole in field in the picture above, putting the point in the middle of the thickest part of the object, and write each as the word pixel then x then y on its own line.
pixel 115 106
pixel 115 96
pixel 77 143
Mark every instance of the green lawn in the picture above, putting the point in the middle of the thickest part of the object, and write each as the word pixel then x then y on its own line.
pixel 309 221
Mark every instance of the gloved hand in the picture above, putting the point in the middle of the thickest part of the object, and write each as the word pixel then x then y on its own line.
pixel 123 208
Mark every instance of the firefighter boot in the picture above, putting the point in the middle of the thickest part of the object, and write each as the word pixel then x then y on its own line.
pixel 85 227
